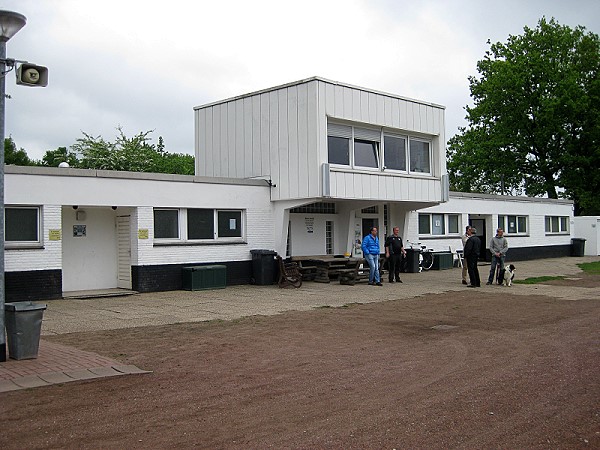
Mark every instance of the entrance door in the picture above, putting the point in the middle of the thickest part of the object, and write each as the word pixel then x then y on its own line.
pixel 123 252
pixel 479 224
pixel 367 224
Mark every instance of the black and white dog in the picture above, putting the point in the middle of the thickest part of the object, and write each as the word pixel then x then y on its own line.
pixel 507 275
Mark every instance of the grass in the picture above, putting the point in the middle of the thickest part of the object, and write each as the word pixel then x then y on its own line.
pixel 591 268
pixel 537 280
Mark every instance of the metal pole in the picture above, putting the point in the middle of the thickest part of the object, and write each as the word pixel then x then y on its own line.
pixel 2 106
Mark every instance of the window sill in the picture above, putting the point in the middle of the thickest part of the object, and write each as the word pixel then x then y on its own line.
pixel 198 243
pixel 23 246
pixel 385 173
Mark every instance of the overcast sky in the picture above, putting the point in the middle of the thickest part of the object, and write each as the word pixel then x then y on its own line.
pixel 144 65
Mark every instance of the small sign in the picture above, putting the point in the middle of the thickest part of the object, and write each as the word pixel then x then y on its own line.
pixel 79 230
pixel 54 235
pixel 310 224
pixel 143 233
pixel 232 224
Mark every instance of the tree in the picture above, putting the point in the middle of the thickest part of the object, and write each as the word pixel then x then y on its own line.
pixel 135 154
pixel 53 158
pixel 14 156
pixel 534 124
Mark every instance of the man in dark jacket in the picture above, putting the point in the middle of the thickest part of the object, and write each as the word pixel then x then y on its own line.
pixel 394 251
pixel 472 250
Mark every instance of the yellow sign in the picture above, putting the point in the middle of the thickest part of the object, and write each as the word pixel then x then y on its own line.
pixel 143 233
pixel 54 235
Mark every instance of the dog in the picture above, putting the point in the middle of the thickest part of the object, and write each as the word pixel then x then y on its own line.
pixel 507 275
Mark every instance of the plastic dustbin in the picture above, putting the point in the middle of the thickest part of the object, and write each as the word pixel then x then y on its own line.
pixel 412 260
pixel 263 266
pixel 577 247
pixel 23 329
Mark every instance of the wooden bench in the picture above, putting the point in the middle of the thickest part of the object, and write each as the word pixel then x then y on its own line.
pixel 289 274
pixel 307 269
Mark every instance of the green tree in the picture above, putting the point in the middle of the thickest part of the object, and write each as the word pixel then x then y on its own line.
pixel 53 158
pixel 534 123
pixel 14 156
pixel 135 154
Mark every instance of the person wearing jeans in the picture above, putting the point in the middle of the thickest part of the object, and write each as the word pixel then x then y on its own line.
pixel 498 248
pixel 370 248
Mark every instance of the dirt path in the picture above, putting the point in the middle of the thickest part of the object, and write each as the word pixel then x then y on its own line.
pixel 444 371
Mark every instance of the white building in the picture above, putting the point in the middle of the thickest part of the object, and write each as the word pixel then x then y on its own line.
pixel 588 228
pixel 304 168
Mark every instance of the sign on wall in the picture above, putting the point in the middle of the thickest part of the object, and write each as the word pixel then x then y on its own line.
pixel 79 230
pixel 310 224
pixel 54 235
pixel 143 233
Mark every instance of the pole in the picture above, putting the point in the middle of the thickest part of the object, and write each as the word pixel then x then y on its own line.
pixel 2 106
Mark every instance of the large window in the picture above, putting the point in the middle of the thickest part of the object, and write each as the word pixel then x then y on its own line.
pixel 376 149
pixel 194 224
pixel 513 224
pixel 557 224
pixel 419 156
pixel 439 224
pixel 22 226
pixel 394 152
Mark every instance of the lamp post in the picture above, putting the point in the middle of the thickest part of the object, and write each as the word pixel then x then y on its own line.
pixel 10 24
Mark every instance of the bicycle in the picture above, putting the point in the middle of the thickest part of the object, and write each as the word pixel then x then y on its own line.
pixel 425 255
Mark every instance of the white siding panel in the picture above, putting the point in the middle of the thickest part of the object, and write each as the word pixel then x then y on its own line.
pixel 293 148
pixel 388 120
pixel 328 91
pixel 317 140
pixel 380 109
pixel 247 118
pixel 201 144
pixel 339 110
pixel 403 111
pixel 356 105
pixel 303 146
pixel 216 140
pixel 264 135
pixel 274 140
pixel 256 144
pixel 348 102
pixel 389 188
pixel 374 185
pixel 223 144
pixel 364 107
pixel 240 150
pixel 373 107
pixel 230 150
pixel 283 146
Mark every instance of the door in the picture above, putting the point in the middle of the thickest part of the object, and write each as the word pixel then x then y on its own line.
pixel 479 224
pixel 123 252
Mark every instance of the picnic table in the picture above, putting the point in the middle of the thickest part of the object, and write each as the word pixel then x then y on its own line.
pixel 323 268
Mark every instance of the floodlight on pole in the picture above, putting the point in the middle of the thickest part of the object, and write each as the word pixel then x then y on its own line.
pixel 10 24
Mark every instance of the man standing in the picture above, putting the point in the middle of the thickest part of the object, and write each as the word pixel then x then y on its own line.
pixel 370 248
pixel 472 249
pixel 394 251
pixel 498 248
pixel 464 243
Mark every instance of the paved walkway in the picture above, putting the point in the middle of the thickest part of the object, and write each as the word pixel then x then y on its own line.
pixel 58 364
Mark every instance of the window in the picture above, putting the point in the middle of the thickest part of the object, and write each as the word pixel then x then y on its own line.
pixel 230 223
pixel 361 148
pixel 197 224
pixel 394 153
pixel 556 224
pixel 337 148
pixel 513 224
pixel 166 224
pixel 329 237
pixel 22 226
pixel 419 156
pixel 439 224
pixel 315 208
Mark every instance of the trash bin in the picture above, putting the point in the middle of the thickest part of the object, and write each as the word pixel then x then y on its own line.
pixel 23 328
pixel 577 247
pixel 412 260
pixel 263 266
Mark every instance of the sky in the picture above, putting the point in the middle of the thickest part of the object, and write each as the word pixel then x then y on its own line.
pixel 144 65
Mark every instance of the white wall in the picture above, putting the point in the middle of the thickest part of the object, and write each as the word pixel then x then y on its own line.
pixel 308 234
pixel 588 228
pixel 90 261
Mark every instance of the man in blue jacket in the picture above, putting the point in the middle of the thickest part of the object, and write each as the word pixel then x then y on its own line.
pixel 370 248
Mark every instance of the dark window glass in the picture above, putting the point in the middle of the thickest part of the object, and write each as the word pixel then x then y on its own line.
pixel 230 223
pixel 395 153
pixel 512 224
pixel 424 224
pixel 201 223
pixel 365 153
pixel 522 224
pixel 21 224
pixel 166 224
pixel 338 150
pixel 564 224
pixel 452 223
pixel 438 224
pixel 419 157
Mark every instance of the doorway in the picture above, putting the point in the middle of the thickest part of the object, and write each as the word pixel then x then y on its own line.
pixel 367 224
pixel 479 224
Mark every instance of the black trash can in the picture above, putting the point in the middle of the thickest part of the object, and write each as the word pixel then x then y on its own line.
pixel 23 329
pixel 263 266
pixel 577 247
pixel 412 260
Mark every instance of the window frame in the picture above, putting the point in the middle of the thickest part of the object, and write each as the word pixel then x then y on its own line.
pixel 412 139
pixel 39 242
pixel 506 222
pixel 446 225
pixel 184 231
pixel 559 219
